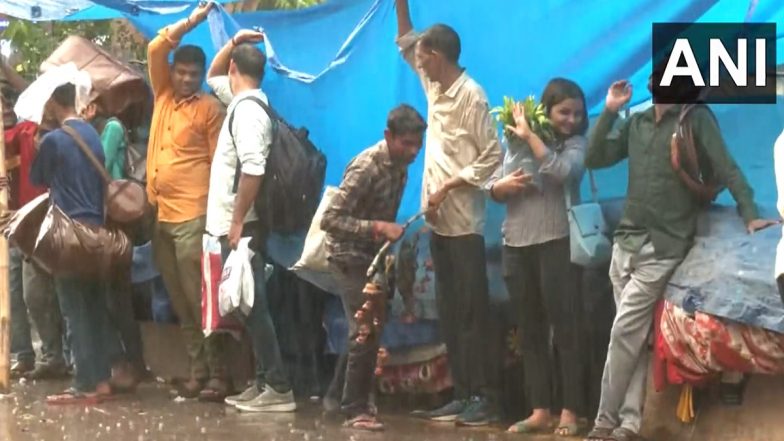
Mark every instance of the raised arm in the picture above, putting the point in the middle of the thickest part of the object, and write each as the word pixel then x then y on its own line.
pixel 404 25
pixel 220 64
pixel 14 79
pixel 166 40
pixel 606 148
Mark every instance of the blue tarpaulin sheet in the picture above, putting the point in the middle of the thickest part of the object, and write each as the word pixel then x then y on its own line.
pixel 336 70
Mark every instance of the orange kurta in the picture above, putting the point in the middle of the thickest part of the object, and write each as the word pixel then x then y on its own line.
pixel 183 137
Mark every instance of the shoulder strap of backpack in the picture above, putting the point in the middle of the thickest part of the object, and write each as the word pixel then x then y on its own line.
pixel 685 158
pixel 272 115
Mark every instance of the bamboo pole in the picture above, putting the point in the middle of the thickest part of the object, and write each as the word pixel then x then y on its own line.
pixel 5 300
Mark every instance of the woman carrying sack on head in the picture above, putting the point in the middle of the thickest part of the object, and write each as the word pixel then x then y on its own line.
pixel 537 268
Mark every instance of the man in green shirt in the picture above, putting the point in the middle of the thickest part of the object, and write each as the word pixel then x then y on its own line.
pixel 655 233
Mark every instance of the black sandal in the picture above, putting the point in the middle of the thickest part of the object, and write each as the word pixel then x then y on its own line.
pixel 600 434
pixel 624 434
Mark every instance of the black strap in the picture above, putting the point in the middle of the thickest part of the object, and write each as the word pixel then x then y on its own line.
pixel 273 116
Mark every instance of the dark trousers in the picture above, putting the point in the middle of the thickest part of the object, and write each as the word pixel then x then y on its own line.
pixel 780 283
pixel 33 299
pixel 543 290
pixel 354 370
pixel 121 313
pixel 83 304
pixel 269 366
pixel 462 300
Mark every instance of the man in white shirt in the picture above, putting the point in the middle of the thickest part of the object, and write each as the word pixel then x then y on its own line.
pixel 461 153
pixel 243 147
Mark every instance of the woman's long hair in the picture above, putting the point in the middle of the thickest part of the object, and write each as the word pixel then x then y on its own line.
pixel 560 89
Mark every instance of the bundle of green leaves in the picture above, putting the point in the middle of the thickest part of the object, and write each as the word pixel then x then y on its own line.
pixel 534 113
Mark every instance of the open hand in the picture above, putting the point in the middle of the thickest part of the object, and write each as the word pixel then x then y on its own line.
pixel 511 185
pixel 521 127
pixel 618 95
pixel 761 224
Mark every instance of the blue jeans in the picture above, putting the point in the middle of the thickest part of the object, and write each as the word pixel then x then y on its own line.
pixel 270 369
pixel 121 314
pixel 83 304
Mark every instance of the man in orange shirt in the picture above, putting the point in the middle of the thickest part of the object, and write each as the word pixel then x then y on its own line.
pixel 183 137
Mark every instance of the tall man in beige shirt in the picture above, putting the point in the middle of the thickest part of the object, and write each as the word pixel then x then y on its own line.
pixel 461 153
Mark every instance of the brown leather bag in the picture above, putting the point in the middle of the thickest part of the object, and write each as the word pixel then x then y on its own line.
pixel 686 161
pixel 65 247
pixel 125 200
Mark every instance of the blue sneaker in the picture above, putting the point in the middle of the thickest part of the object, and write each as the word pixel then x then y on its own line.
pixel 445 414
pixel 477 413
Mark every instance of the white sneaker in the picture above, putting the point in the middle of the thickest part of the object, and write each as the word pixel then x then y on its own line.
pixel 270 401
pixel 248 395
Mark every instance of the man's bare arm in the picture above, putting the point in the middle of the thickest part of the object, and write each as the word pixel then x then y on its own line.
pixel 404 25
pixel 14 79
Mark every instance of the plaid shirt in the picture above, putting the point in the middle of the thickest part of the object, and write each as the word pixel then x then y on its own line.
pixel 371 190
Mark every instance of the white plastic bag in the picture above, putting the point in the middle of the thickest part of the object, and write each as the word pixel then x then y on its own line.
pixel 236 290
pixel 30 105
pixel 314 254
pixel 211 269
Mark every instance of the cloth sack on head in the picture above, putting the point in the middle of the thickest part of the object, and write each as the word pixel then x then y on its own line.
pixel 30 105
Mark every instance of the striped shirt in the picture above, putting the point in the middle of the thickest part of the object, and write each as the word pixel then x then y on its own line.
pixel 536 216
pixel 371 190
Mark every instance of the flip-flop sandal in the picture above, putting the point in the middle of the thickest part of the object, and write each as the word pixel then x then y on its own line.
pixel 215 391
pixel 73 396
pixel 526 427
pixel 624 434
pixel 565 430
pixel 600 434
pixel 187 389
pixel 364 422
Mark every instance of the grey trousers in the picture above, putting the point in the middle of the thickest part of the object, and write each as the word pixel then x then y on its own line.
pixel 33 301
pixel 639 280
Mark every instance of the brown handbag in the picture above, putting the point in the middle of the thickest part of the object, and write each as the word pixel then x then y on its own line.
pixel 125 200
pixel 65 247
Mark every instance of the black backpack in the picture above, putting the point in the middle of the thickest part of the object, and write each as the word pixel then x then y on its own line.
pixel 293 177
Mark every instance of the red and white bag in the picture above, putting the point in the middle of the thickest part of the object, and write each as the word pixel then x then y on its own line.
pixel 211 273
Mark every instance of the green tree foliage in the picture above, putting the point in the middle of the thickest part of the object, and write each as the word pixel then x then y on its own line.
pixel 35 41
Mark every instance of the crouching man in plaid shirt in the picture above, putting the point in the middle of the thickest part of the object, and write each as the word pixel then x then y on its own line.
pixel 358 222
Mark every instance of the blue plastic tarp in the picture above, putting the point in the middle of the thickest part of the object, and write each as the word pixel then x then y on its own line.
pixel 338 72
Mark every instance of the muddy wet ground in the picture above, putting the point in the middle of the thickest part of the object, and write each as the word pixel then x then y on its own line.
pixel 152 415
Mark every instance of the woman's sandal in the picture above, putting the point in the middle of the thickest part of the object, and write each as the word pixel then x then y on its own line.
pixel 73 396
pixel 364 422
pixel 215 391
pixel 526 427
pixel 600 434
pixel 567 429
